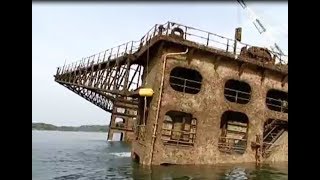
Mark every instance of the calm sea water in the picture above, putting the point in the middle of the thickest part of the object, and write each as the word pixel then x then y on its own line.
pixel 80 155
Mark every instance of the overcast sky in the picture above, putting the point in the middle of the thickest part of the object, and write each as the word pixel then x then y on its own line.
pixel 70 31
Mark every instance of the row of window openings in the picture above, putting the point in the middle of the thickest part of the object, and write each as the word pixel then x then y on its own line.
pixel 189 81
pixel 179 128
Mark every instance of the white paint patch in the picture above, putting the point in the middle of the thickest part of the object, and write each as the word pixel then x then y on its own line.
pixel 122 154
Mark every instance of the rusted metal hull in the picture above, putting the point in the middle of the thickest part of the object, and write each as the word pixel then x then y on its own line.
pixel 195 116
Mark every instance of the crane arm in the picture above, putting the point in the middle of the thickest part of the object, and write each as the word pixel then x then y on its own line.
pixel 259 26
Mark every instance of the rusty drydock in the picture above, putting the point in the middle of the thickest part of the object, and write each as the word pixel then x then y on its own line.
pixel 186 96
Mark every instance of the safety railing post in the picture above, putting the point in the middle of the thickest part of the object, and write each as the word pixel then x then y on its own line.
pixel 227 50
pixel 185 33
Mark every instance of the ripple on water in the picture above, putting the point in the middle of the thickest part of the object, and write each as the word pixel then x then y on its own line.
pixel 70 176
pixel 85 158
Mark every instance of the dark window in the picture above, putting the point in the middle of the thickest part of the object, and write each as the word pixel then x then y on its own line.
pixel 185 80
pixel 277 100
pixel 179 128
pixel 119 122
pixel 234 129
pixel 237 91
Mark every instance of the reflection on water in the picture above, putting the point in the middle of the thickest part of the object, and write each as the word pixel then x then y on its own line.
pixel 80 155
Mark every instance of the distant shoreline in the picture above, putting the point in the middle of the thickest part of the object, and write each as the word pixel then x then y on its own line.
pixel 36 130
pixel 83 128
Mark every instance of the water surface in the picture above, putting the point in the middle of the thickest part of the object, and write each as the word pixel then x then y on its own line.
pixel 87 155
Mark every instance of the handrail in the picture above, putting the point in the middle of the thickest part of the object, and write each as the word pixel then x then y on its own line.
pixel 208 39
pixel 233 146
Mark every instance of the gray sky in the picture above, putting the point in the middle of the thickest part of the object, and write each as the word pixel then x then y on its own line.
pixel 71 31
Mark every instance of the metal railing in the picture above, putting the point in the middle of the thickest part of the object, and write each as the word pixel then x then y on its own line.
pixel 195 35
pixel 212 40
pixel 121 128
pixel 181 136
pixel 109 54
pixel 230 145
pixel 277 104
pixel 186 85
pixel 237 96
pixel 268 145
